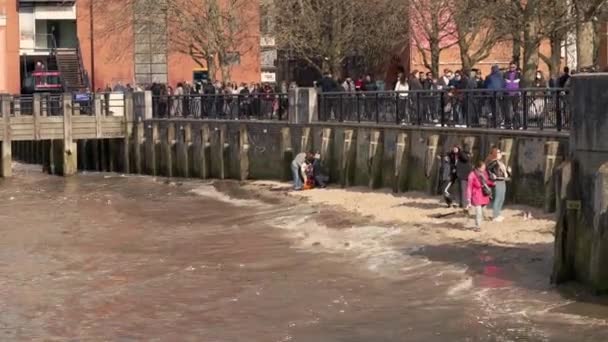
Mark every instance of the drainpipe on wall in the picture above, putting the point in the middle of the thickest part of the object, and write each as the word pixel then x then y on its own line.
pixel 3 71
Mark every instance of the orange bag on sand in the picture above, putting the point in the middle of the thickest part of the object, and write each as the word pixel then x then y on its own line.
pixel 309 182
pixel 308 187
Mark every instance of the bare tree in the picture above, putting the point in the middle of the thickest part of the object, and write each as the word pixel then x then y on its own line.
pixel 433 29
pixel 214 33
pixel 585 12
pixel 477 30
pixel 325 33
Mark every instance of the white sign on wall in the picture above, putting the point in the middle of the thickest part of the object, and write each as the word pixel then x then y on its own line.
pixel 269 77
pixel 267 41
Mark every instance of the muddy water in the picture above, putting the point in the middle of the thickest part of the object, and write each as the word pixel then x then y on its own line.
pixel 110 258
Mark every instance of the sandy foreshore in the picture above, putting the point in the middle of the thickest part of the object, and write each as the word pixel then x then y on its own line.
pixel 417 213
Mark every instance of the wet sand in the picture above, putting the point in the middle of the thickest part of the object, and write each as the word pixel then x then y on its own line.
pixel 109 258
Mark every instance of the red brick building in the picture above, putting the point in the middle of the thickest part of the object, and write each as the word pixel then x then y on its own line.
pixel 30 29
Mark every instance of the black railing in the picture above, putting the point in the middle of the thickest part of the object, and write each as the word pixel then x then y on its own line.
pixel 273 106
pixel 50 105
pixel 518 109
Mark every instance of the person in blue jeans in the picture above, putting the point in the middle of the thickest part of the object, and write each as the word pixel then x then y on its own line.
pixel 499 174
pixel 296 167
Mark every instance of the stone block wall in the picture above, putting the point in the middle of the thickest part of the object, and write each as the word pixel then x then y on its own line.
pixel 398 158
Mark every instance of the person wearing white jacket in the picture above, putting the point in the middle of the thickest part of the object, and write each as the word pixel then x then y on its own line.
pixel 402 87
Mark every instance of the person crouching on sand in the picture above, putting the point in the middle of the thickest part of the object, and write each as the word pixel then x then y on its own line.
pixel 296 169
pixel 479 191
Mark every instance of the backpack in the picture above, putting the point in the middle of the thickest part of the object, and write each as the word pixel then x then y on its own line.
pixel 486 190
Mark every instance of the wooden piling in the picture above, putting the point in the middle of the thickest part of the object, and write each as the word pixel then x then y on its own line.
pixel 6 169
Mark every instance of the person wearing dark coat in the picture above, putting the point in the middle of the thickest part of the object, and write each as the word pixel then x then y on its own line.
pixel 414 81
pixel 460 168
pixel 328 84
pixel 495 81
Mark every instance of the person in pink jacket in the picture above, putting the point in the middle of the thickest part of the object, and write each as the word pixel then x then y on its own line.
pixel 479 191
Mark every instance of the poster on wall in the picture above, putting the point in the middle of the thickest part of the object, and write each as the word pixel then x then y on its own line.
pixel 269 77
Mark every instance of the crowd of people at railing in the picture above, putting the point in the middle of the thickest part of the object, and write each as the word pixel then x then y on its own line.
pixel 221 100
pixel 461 99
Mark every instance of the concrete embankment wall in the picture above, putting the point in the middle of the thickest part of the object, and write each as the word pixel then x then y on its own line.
pixel 581 243
pixel 399 158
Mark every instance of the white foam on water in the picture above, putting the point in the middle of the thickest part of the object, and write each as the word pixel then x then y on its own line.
pixel 462 287
pixel 211 192
pixel 371 245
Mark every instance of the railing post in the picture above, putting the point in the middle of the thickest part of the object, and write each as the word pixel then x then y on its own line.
pixel 397 98
pixel 495 109
pixel 6 168
pixel 151 105
pixel 418 114
pixel 69 160
pixel 558 110
pixel 525 109
pixel 128 121
pixel 467 108
pixel 341 107
pixel 357 97
pixel 36 116
pixel 442 105
pixel 377 108
pixel 98 114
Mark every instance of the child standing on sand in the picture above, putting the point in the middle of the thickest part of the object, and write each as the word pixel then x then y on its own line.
pixel 479 191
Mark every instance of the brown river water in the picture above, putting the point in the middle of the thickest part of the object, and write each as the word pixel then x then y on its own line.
pixel 103 257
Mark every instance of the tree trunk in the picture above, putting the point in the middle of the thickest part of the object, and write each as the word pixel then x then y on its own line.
pixel 211 69
pixel 467 63
pixel 225 70
pixel 435 57
pixel 516 51
pixel 556 56
pixel 585 34
pixel 531 52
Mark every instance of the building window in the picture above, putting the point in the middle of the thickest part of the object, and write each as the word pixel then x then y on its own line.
pixel 233 58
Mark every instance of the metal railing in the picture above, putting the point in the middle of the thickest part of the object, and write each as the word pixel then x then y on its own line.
pixel 50 105
pixel 272 106
pixel 111 104
pixel 518 109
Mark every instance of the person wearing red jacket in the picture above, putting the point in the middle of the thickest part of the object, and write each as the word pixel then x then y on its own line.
pixel 479 191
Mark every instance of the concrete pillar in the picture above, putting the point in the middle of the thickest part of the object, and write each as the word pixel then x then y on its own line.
pixel 190 150
pixel 166 158
pixel 150 149
pixel 243 153
pixel 129 121
pixel 552 159
pixel 306 142
pixel 202 152
pixel 401 163
pixel 287 153
pixel 470 144
pixel 376 158
pixel 430 161
pixel 584 259
pixel 598 272
pixel 326 150
pixel 349 151
pixel 565 232
pixel 6 168
pixel 181 150
pixel 506 146
pixel 137 148
pixel 70 155
pixel 222 150
pixel 303 105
